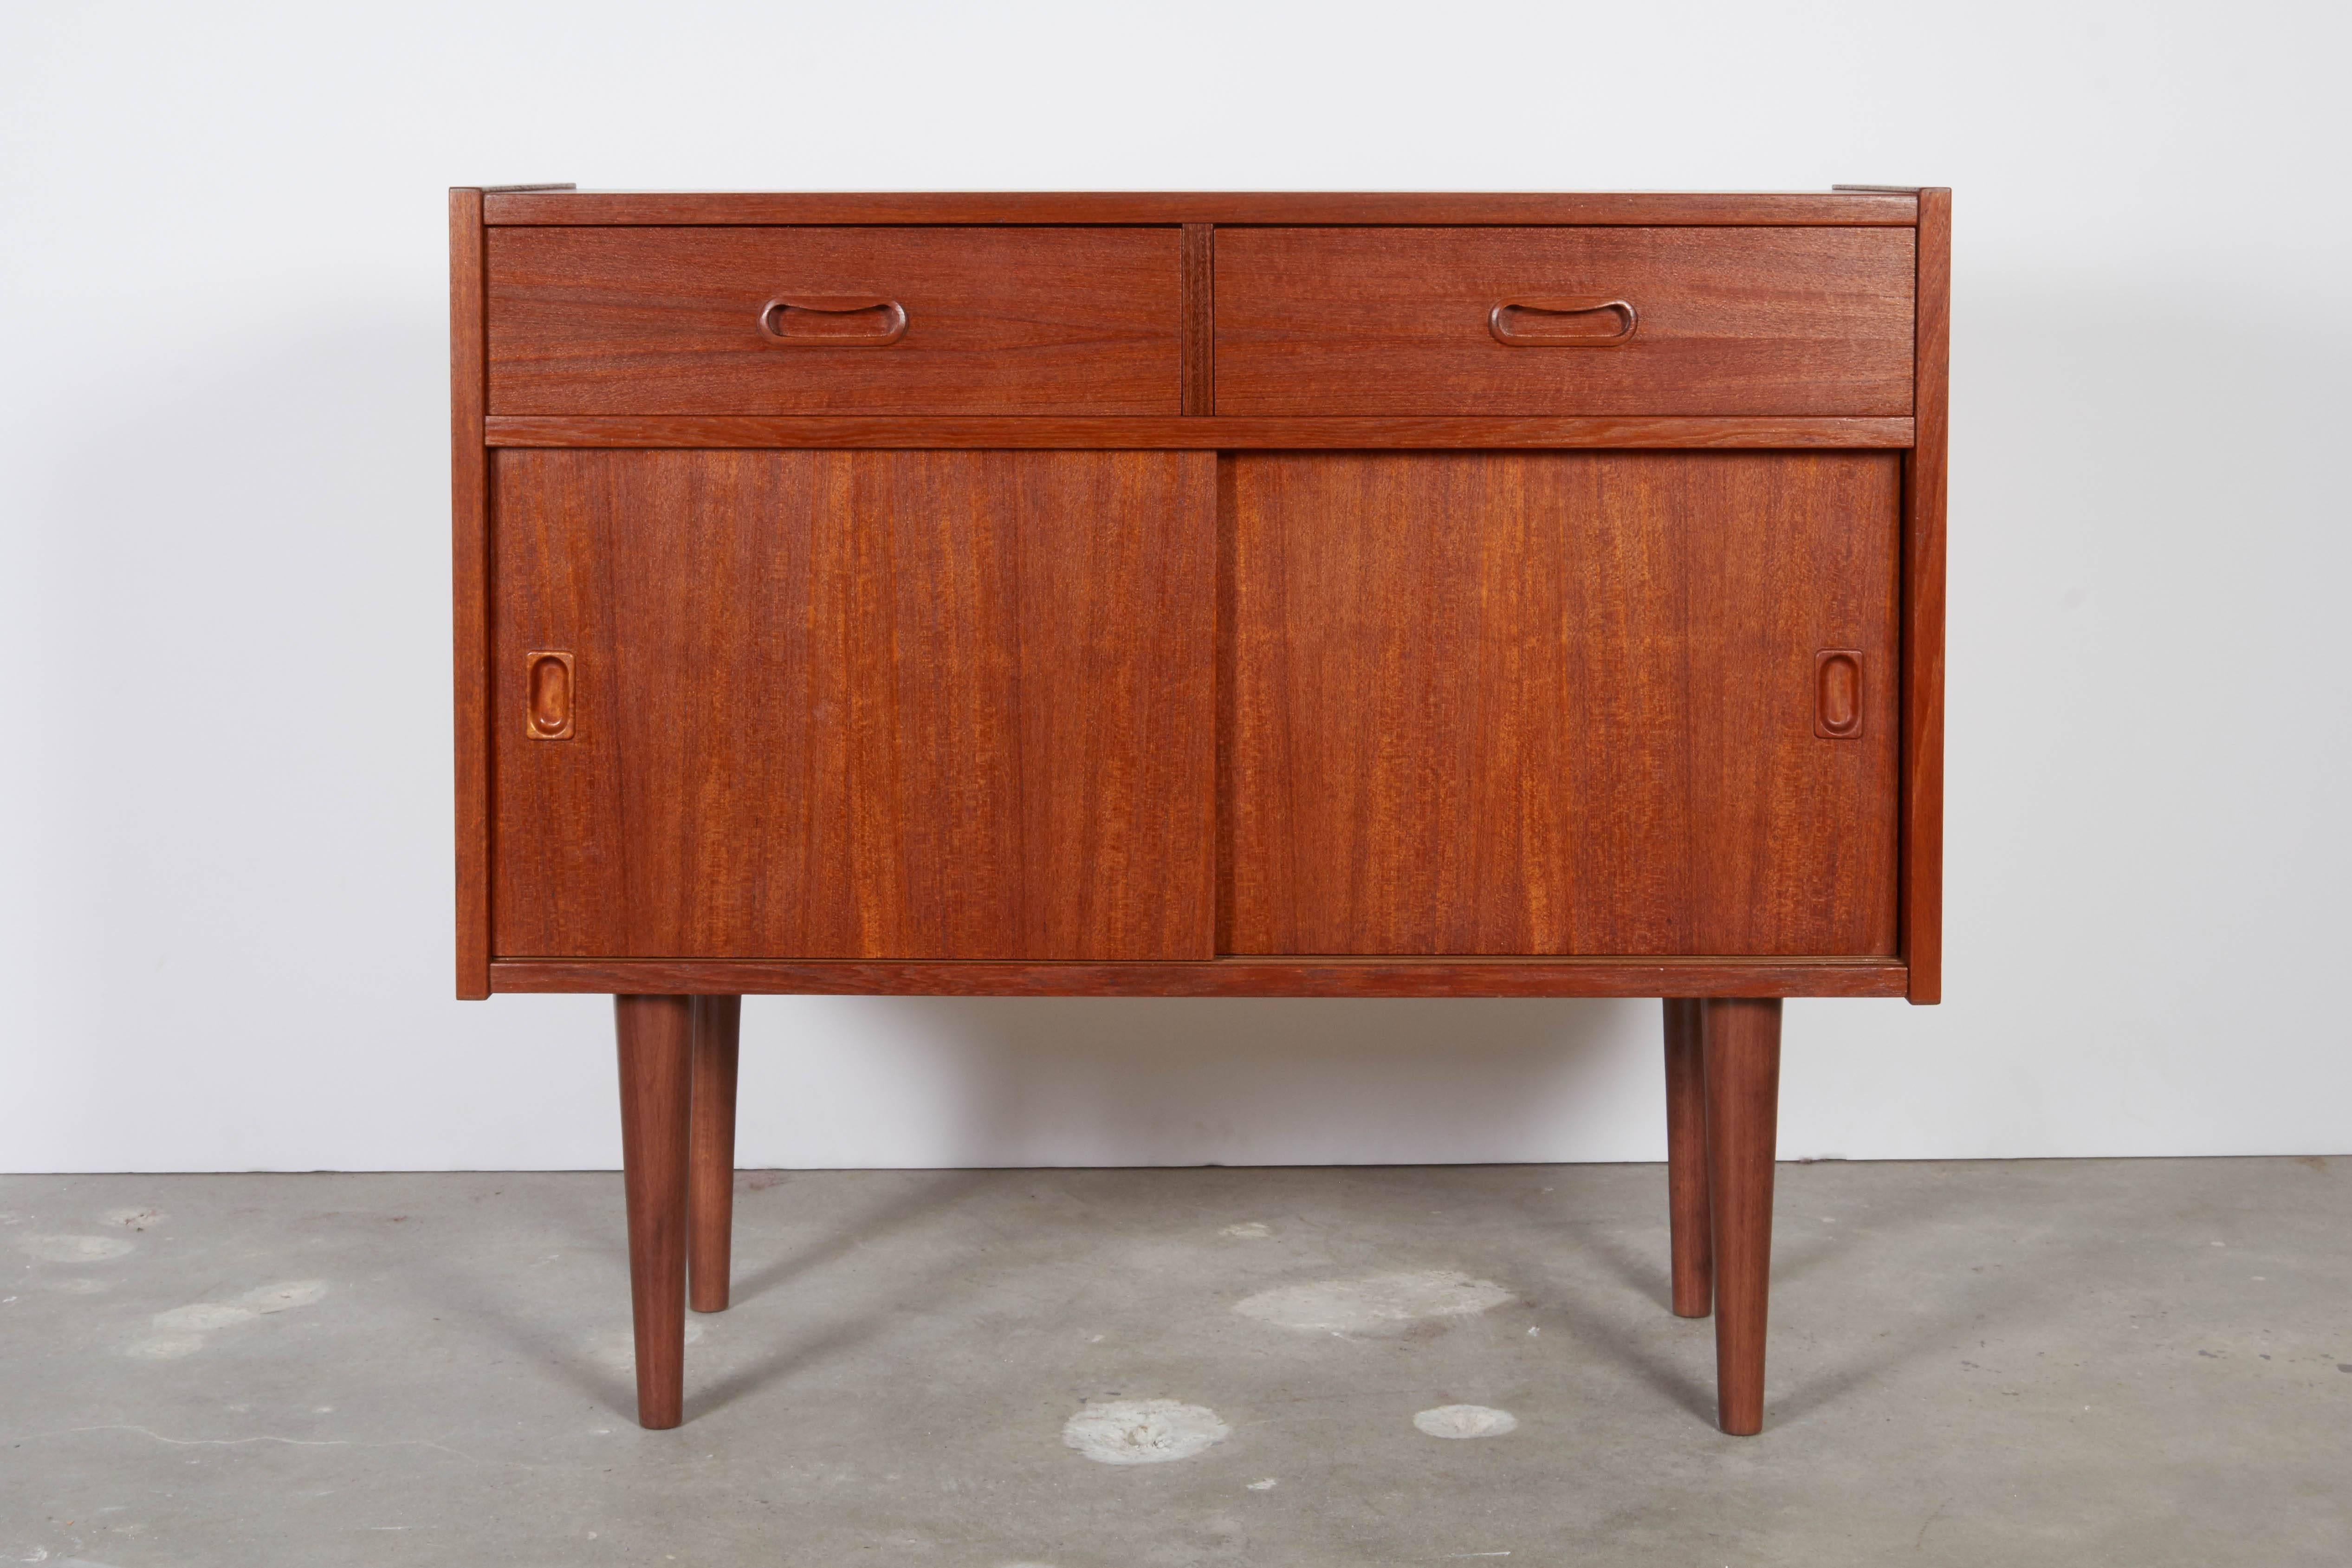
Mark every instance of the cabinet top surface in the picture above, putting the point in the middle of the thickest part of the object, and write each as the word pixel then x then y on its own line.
pixel 1897 207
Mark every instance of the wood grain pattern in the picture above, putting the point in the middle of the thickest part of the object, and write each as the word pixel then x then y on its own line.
pixel 1199 319
pixel 1390 976
pixel 469 613
pixel 862 705
pixel 655 1041
pixel 1690 1235
pixel 1800 207
pixel 1557 703
pixel 1194 433
pixel 1731 321
pixel 1743 1108
pixel 711 1152
pixel 1923 611
pixel 666 321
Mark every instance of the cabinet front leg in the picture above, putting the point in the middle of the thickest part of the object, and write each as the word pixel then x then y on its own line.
pixel 710 1181
pixel 656 1035
pixel 1743 1102
pixel 1692 1240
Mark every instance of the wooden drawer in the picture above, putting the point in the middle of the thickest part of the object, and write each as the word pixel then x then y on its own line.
pixel 1643 320
pixel 642 321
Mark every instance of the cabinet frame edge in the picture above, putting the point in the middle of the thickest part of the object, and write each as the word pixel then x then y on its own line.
pixel 1921 914
pixel 1826 209
pixel 470 570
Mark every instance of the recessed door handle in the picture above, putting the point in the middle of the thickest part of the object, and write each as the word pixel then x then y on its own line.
pixel 833 321
pixel 1563 323
pixel 547 696
pixel 1837 694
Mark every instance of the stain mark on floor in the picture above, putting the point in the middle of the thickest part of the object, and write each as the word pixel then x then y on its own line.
pixel 1380 1302
pixel 181 1331
pixel 1467 1421
pixel 1143 1431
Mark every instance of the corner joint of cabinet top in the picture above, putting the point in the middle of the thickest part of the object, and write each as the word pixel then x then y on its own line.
pixel 1920 194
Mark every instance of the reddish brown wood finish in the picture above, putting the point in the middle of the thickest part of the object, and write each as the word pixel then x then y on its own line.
pixel 1882 208
pixel 656 1034
pixel 1691 1235
pixel 999 322
pixel 1743 1108
pixel 1292 976
pixel 1923 613
pixel 470 600
pixel 1558 704
pixel 1199 319
pixel 859 705
pixel 1193 433
pixel 1399 322
pixel 710 1158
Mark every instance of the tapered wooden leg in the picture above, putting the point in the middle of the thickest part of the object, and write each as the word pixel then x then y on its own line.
pixel 656 1035
pixel 710 1179
pixel 1692 1241
pixel 1743 1103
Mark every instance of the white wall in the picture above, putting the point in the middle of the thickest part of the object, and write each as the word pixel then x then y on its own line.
pixel 225 905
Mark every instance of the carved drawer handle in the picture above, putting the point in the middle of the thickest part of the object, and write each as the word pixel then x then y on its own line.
pixel 1837 694
pixel 859 322
pixel 1562 323
pixel 547 696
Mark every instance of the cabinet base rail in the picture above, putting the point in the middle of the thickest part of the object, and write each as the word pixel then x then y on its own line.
pixel 1231 976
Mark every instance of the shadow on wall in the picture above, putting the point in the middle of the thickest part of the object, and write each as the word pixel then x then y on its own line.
pixel 1092 1081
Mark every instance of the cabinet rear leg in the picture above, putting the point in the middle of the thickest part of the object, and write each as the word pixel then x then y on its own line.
pixel 1743 1100
pixel 710 1182
pixel 656 1037
pixel 1693 1242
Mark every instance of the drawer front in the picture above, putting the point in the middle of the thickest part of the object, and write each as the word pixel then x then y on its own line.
pixel 1598 321
pixel 592 320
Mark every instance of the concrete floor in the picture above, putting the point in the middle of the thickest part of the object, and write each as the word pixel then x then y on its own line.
pixel 2140 1363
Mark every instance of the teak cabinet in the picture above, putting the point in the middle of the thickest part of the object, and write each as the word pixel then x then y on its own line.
pixel 1270 595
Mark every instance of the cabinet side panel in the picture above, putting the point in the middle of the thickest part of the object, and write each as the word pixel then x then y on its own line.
pixel 1922 631
pixel 469 597
pixel 858 705
pixel 1558 704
